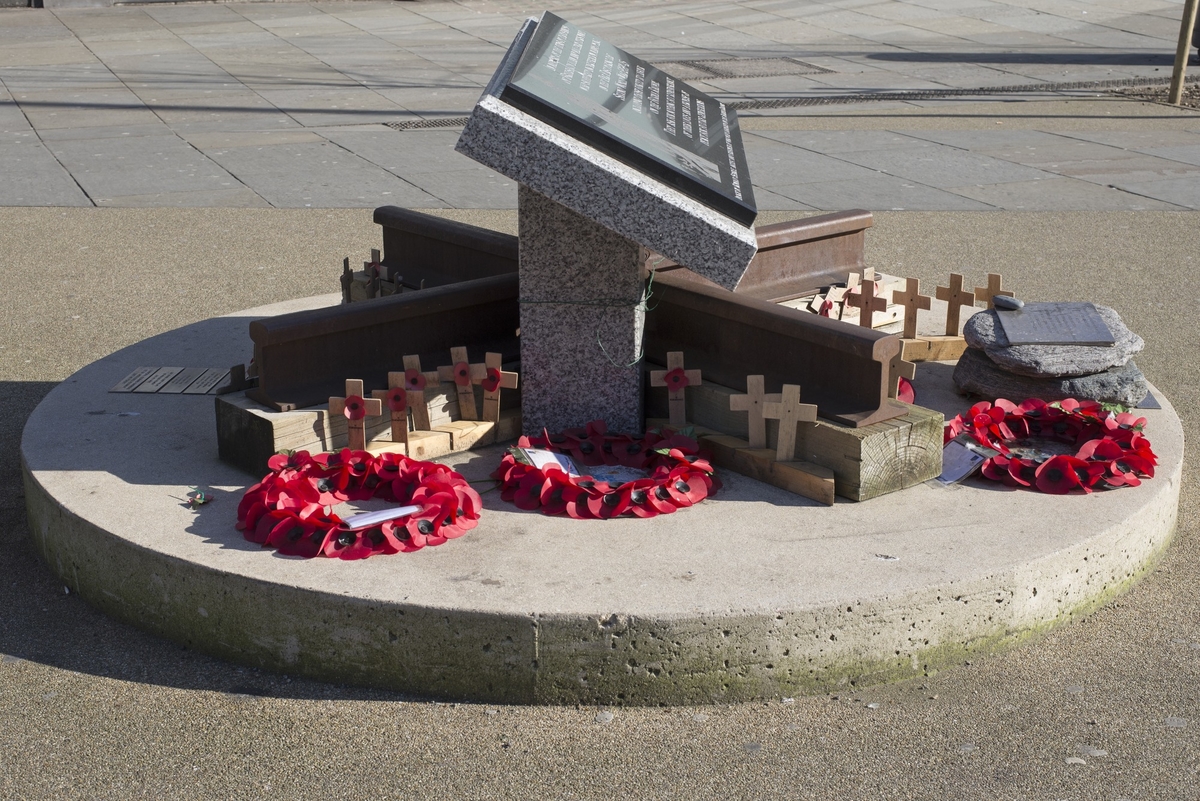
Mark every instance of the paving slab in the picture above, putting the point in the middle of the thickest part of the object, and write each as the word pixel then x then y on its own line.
pixel 1053 193
pixel 34 177
pixel 116 167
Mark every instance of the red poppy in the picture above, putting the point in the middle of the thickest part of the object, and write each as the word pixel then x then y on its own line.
pixel 676 379
pixel 397 399
pixel 560 494
pixel 462 374
pixel 355 408
pixel 904 391
pixel 492 382
pixel 826 307
pixel 288 463
pixel 1060 474
pixel 1023 472
pixel 611 503
pixel 414 380
pixel 529 492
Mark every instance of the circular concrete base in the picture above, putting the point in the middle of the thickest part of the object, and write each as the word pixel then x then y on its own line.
pixel 754 593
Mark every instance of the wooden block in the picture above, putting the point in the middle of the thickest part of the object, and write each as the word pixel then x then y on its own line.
pixel 914 350
pixel 467 434
pixel 426 445
pixel 943 349
pixel 723 449
pixel 807 479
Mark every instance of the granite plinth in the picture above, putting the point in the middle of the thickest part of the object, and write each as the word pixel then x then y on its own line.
pixel 984 331
pixel 978 374
pixel 599 187
pixel 755 593
pixel 582 318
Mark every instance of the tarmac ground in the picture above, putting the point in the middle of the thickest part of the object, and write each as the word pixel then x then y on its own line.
pixel 1105 707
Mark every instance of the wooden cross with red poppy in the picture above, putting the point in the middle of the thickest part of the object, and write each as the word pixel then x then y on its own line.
pixel 790 412
pixel 955 296
pixel 464 374
pixel 495 380
pixel 911 299
pixel 898 368
pixel 986 293
pixel 752 402
pixel 415 383
pixel 395 397
pixel 676 380
pixel 866 302
pixel 355 407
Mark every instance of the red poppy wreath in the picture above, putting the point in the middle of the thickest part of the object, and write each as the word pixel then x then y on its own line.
pixel 291 508
pixel 1058 447
pixel 675 474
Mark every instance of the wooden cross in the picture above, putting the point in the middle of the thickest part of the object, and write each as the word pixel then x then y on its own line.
pixel 356 408
pixel 395 397
pixel 495 380
pixel 955 296
pixel 464 375
pixel 866 302
pixel 752 402
pixel 911 299
pixel 676 379
pixel 790 412
pixel 415 384
pixel 897 368
pixel 986 293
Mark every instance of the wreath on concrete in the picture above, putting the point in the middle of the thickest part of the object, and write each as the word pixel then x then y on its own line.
pixel 1058 447
pixel 676 474
pixel 291 508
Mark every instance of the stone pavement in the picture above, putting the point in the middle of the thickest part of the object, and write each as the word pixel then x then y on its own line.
pixel 359 104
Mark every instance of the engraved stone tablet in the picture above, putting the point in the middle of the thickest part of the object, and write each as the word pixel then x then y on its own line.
pixel 1055 324
pixel 131 382
pixel 207 380
pixel 159 380
pixel 182 381
pixel 628 109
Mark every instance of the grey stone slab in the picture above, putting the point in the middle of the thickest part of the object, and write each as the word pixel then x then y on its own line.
pixel 473 188
pixel 1179 191
pixel 1135 168
pixel 87 75
pixel 403 152
pixel 777 165
pixel 1188 154
pixel 143 165
pixel 582 318
pixel 879 193
pixel 943 166
pixel 80 108
pixel 315 107
pixel 175 107
pixel 839 141
pixel 224 139
pixel 318 175
pixel 51 52
pixel 992 333
pixel 222 198
pixel 104 132
pixel 1060 194
pixel 34 177
pixel 619 197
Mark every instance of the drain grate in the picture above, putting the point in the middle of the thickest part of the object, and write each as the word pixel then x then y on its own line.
pixel 702 69
pixel 435 122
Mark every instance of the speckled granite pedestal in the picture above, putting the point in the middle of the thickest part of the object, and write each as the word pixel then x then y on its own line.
pixel 754 593
pixel 581 320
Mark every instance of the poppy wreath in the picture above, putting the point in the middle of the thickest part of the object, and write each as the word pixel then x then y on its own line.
pixel 678 475
pixel 290 509
pixel 1098 448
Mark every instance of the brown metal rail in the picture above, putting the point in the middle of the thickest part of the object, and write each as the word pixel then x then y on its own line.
pixel 471 297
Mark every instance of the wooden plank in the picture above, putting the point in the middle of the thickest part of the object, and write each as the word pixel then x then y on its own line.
pixel 467 434
pixel 943 349
pixel 799 477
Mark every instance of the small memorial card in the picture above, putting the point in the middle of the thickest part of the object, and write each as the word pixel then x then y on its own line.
pixel 1055 324
pixel 548 460
pixel 961 457
pixel 615 475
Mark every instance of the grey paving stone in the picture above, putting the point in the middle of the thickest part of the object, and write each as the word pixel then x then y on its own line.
pixel 222 198
pixel 403 152
pixel 943 166
pixel 338 106
pixel 318 175
pixel 475 188
pixel 878 193
pixel 844 141
pixel 1136 168
pixel 80 108
pixel 1188 154
pixel 141 165
pixel 774 165
pixel 33 177
pixel 104 132
pixel 88 75
pixel 1180 191
pixel 1059 194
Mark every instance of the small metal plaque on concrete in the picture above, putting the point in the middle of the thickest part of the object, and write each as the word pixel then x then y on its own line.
pixel 159 380
pixel 208 379
pixel 182 381
pixel 131 382
pixel 1055 324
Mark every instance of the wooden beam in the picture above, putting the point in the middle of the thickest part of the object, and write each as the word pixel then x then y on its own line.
pixel 1187 24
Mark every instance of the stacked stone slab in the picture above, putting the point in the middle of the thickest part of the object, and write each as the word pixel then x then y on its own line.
pixel 993 368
